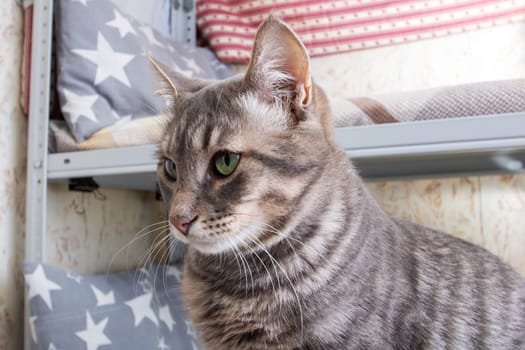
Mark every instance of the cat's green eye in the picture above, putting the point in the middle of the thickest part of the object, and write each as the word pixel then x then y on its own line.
pixel 226 162
pixel 170 169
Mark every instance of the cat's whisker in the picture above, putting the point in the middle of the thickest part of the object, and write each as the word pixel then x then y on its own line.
pixel 171 247
pixel 139 235
pixel 287 239
pixel 164 260
pixel 279 287
pixel 154 230
pixel 161 243
pixel 275 269
pixel 239 253
pixel 248 271
pixel 137 276
pixel 305 245
pixel 272 229
pixel 230 243
pixel 145 258
pixel 248 267
pixel 155 251
pixel 264 265
pixel 261 245
pixel 255 240
pixel 151 226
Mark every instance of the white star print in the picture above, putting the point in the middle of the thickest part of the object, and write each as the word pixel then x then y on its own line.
pixel 190 62
pixel 40 285
pixel 145 285
pixel 103 298
pixel 165 316
pixel 189 329
pixel 78 105
pixel 162 345
pixel 51 347
pixel 109 62
pixel 174 271
pixel 74 277
pixel 94 335
pixel 150 35
pixel 32 329
pixel 141 308
pixel 122 24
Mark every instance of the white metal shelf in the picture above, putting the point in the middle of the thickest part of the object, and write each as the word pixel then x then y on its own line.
pixel 126 167
pixel 434 136
pixel 117 161
pixel 480 145
pixel 472 145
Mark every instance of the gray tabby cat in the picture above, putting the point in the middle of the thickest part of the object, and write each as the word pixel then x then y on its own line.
pixel 287 249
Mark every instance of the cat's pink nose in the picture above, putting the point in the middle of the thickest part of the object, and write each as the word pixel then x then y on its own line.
pixel 182 223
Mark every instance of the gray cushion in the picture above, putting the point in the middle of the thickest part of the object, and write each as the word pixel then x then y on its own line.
pixel 130 310
pixel 103 74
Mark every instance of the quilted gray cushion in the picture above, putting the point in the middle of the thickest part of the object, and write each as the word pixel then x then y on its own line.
pixel 103 74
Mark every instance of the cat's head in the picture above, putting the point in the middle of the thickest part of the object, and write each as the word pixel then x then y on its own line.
pixel 239 155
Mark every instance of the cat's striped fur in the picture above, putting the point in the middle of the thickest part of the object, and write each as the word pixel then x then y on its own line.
pixel 291 251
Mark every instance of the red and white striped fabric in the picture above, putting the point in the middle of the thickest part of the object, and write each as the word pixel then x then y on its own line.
pixel 328 27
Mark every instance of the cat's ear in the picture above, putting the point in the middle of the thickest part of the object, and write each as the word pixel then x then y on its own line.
pixel 174 84
pixel 280 66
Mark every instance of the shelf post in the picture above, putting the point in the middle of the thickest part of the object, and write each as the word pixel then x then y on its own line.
pixel 36 185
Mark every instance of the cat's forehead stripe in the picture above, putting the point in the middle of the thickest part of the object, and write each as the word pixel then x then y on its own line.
pixel 194 137
pixel 206 136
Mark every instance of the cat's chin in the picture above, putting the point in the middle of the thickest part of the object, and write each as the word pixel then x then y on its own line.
pixel 219 244
pixel 212 246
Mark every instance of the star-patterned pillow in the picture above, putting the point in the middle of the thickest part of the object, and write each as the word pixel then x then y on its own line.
pixel 139 310
pixel 103 73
